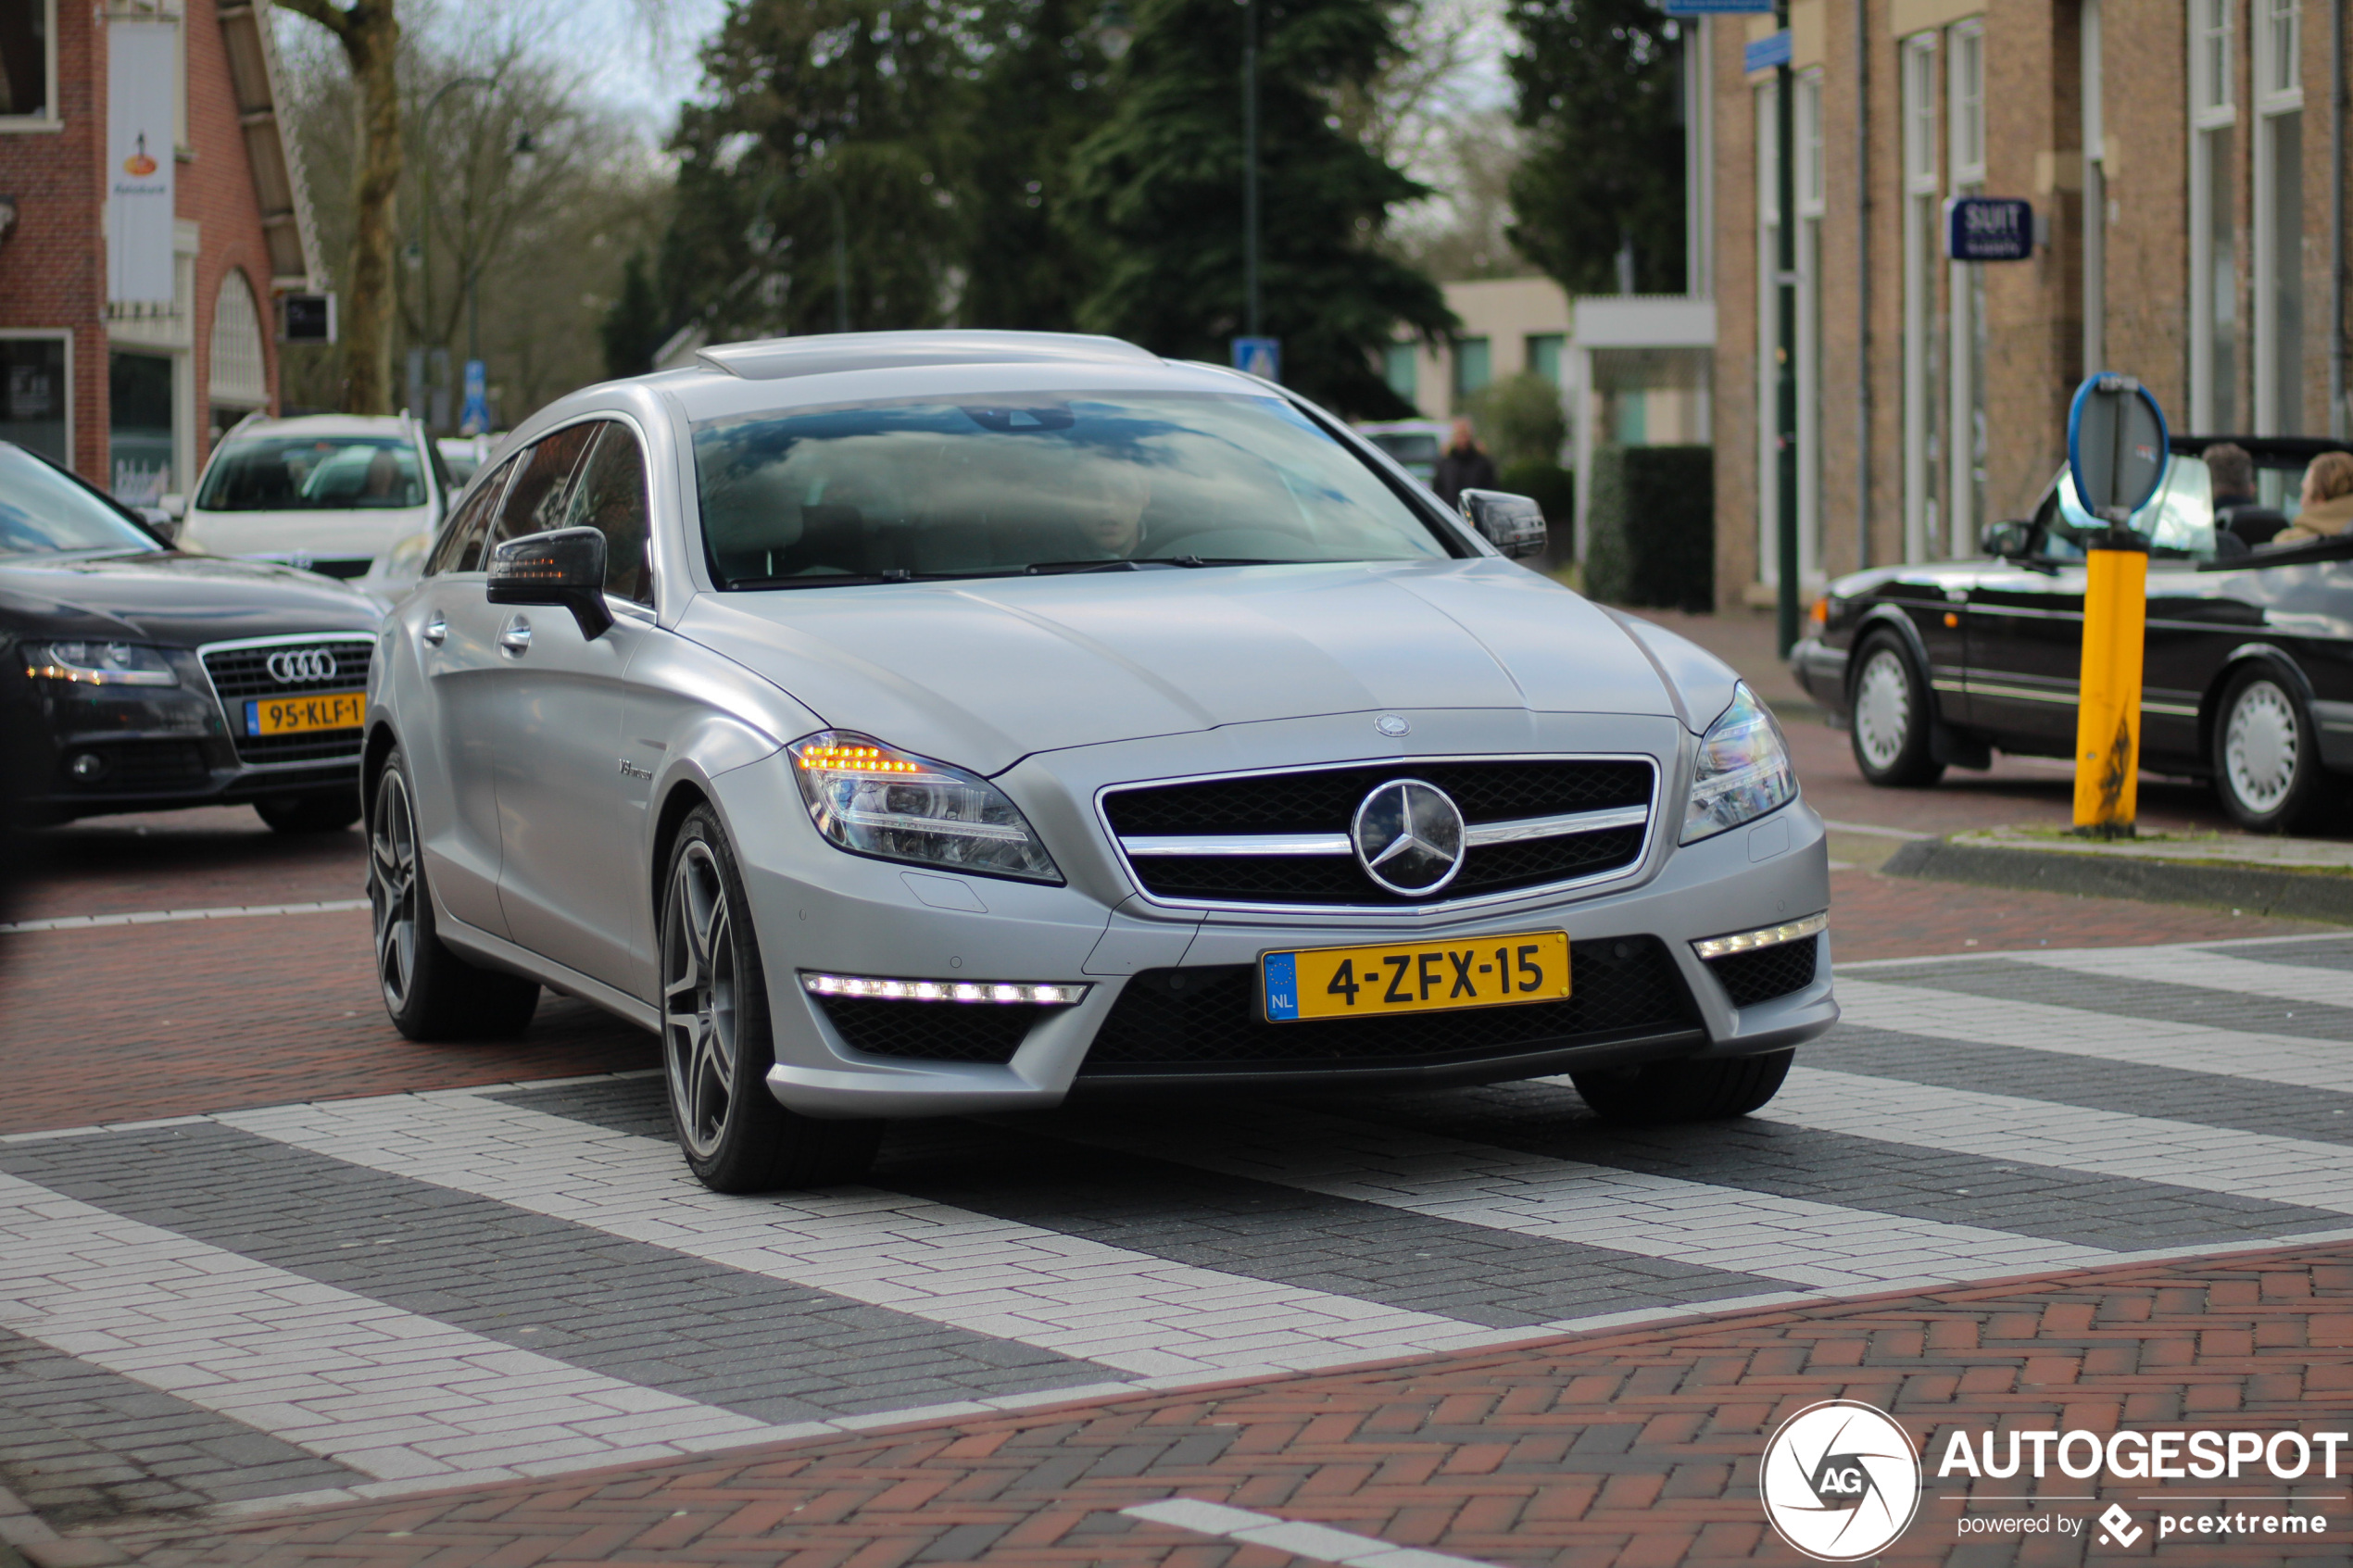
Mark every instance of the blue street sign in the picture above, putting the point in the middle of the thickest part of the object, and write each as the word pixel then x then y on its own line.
pixel 477 418
pixel 1260 357
pixel 1714 7
pixel 1989 228
pixel 1766 53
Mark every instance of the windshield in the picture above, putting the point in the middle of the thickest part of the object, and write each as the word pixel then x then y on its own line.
pixel 2178 519
pixel 272 473
pixel 1407 448
pixel 925 489
pixel 43 512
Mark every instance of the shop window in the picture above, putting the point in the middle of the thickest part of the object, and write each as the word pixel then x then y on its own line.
pixel 27 62
pixel 139 426
pixel 2214 275
pixel 2279 220
pixel 36 394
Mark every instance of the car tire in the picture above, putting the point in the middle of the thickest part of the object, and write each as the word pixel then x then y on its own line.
pixel 1684 1091
pixel 326 810
pixel 1888 717
pixel 716 1040
pixel 2267 752
pixel 430 993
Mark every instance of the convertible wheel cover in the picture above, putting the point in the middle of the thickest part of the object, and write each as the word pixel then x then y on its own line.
pixel 2259 747
pixel 1882 709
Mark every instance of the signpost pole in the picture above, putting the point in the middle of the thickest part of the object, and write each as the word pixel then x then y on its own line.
pixel 2117 457
pixel 1785 346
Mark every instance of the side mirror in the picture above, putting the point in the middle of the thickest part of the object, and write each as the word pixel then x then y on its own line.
pixel 2007 541
pixel 1514 524
pixel 564 567
pixel 172 504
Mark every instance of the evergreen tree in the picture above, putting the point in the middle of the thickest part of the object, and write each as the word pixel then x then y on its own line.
pixel 634 325
pixel 831 127
pixel 1599 94
pixel 1161 183
pixel 1039 89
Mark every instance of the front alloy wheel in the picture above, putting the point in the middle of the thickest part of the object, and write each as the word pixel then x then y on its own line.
pixel 716 1042
pixel 2266 762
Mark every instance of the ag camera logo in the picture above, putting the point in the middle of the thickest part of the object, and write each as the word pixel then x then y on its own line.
pixel 1841 1480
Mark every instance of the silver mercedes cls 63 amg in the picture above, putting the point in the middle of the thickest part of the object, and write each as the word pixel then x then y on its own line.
pixel 934 723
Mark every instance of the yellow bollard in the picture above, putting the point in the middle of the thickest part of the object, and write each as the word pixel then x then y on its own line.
pixel 2108 711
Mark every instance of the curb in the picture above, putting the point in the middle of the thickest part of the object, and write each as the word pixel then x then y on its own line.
pixel 2293 895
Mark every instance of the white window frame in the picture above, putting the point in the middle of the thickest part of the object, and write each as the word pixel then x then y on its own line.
pixel 1810 187
pixel 2278 50
pixel 55 335
pixel 1765 101
pixel 2213 106
pixel 1965 133
pixel 1922 193
pixel 48 119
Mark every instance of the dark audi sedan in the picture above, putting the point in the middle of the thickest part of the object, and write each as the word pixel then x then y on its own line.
pixel 134 677
pixel 2248 677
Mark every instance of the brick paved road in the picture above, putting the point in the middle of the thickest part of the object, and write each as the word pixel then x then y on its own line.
pixel 370 1296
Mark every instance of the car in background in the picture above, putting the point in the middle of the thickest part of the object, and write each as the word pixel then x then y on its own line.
pixel 328 493
pixel 463 454
pixel 138 677
pixel 1415 444
pixel 948 723
pixel 2247 670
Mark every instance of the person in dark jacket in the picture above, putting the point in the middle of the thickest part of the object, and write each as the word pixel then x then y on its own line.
pixel 1463 465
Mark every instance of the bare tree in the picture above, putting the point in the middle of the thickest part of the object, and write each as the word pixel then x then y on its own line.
pixel 369 33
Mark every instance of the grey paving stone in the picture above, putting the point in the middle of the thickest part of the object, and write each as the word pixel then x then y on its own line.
pixel 1258 1229
pixel 616 1307
pixel 1756 1154
pixel 2210 1099
pixel 82 1445
pixel 2010 980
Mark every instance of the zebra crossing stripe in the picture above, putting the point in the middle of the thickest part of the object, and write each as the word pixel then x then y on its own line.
pixel 1121 1309
pixel 2214 971
pixel 2043 1026
pixel 1818 1245
pixel 2107 1143
pixel 386 1393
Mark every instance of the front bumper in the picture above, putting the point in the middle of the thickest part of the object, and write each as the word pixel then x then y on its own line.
pixel 1821 669
pixel 819 911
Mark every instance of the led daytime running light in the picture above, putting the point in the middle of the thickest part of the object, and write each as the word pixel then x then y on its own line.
pixel 1024 993
pixel 856 760
pixel 1763 936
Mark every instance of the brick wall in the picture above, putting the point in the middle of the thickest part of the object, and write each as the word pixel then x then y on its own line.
pixel 53 267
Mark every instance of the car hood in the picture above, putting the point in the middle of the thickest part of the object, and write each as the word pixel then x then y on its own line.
pixel 176 600
pixel 983 672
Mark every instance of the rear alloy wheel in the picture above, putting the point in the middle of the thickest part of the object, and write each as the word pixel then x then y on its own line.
pixel 716 1046
pixel 1889 728
pixel 430 992
pixel 325 810
pixel 2267 762
pixel 1684 1091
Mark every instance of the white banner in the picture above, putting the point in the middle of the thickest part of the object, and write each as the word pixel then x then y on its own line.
pixel 140 60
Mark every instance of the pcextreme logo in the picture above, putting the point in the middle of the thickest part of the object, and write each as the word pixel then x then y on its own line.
pixel 1841 1480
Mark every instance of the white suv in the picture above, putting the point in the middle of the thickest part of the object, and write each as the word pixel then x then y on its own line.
pixel 327 491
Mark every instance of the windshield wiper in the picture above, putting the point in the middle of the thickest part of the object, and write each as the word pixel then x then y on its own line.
pixel 835 580
pixel 1219 560
pixel 1056 567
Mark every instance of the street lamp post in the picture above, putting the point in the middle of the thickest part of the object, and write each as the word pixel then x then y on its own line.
pixel 1785 349
pixel 1250 167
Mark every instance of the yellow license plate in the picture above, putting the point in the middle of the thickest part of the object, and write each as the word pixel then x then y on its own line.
pixel 318 711
pixel 1387 978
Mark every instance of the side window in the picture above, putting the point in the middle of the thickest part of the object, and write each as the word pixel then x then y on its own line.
pixel 459 546
pixel 609 497
pixel 535 501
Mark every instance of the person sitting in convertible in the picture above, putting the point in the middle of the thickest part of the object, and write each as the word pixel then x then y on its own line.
pixel 2327 507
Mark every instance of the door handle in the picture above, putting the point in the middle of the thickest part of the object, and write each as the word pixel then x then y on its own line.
pixel 437 630
pixel 516 636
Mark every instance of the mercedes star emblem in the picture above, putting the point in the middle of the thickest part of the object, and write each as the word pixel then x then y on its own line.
pixel 1409 837
pixel 1393 725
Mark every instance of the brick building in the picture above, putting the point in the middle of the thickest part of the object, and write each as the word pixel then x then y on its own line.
pixel 133 393
pixel 2185 160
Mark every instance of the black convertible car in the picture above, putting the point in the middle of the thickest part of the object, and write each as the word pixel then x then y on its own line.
pixel 133 677
pixel 2248 676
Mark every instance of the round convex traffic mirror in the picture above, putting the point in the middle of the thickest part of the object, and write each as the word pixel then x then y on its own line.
pixel 2116 447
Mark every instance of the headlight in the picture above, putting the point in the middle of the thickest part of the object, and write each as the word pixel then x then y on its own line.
pixel 1743 770
pixel 873 799
pixel 100 664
